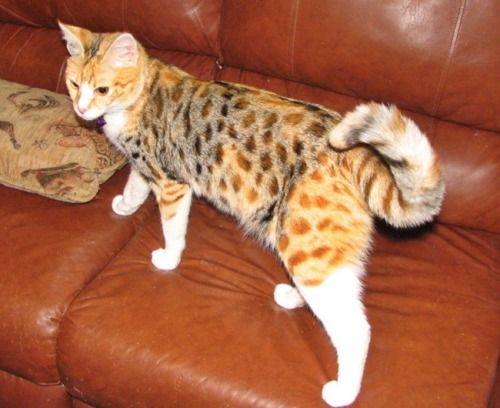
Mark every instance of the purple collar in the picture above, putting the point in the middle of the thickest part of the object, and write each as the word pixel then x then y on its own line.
pixel 100 122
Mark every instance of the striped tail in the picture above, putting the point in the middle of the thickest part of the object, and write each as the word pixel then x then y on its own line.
pixel 402 181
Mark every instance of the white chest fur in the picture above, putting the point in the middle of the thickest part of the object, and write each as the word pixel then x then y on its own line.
pixel 114 125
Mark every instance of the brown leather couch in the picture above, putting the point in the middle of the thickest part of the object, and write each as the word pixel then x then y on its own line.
pixel 86 319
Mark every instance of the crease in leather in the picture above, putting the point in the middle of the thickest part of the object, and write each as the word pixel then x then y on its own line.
pixel 13 35
pixel 20 50
pixel 446 69
pixel 196 17
pixel 20 17
pixel 124 15
pixel 137 229
pixel 60 78
pixel 73 18
pixel 295 16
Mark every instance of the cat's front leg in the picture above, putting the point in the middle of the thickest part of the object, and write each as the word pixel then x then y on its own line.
pixel 174 201
pixel 136 191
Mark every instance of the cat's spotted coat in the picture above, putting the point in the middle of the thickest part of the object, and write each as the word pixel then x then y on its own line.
pixel 301 178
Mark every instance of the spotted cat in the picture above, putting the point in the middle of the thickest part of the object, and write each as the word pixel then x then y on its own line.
pixel 304 180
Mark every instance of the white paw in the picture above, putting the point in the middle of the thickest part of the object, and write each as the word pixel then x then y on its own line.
pixel 336 395
pixel 166 259
pixel 120 207
pixel 287 296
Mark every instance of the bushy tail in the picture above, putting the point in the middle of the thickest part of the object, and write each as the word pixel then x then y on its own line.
pixel 401 181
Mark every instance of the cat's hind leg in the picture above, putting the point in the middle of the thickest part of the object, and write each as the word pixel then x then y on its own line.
pixel 324 237
pixel 337 304
pixel 136 191
pixel 174 201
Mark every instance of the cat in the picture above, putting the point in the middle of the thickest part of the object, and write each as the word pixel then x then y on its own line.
pixel 304 180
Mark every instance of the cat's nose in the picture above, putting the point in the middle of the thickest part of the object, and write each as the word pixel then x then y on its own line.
pixel 82 109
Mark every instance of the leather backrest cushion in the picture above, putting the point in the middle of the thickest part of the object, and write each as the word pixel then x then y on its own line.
pixel 441 58
pixel 184 25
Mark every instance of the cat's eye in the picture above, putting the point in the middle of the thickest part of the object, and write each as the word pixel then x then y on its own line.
pixel 74 84
pixel 102 90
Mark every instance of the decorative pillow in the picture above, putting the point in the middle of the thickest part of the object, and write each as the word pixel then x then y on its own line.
pixel 45 150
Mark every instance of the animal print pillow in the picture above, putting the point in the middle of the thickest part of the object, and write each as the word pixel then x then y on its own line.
pixel 44 150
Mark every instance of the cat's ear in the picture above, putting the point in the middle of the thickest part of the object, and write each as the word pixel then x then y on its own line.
pixel 123 52
pixel 71 35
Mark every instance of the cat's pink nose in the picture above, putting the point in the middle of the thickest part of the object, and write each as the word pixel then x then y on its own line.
pixel 82 109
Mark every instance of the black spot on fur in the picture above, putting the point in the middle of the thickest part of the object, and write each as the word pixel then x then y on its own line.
pixel 224 110
pixel 208 132
pixel 271 119
pixel 94 47
pixel 250 144
pixel 198 168
pixel 258 179
pixel 224 84
pixel 220 126
pixel 241 103
pixel 268 137
pixel 197 145
pixel 282 153
pixel 312 108
pixel 187 120
pixel 302 167
pixel 269 214
pixel 219 154
pixel 274 187
pixel 233 134
pixel 298 147
pixel 317 129
pixel 158 98
pixel 265 161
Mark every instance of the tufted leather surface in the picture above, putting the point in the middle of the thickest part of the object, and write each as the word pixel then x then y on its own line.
pixel 52 250
pixel 182 25
pixel 209 334
pixel 18 392
pixel 82 306
pixel 430 57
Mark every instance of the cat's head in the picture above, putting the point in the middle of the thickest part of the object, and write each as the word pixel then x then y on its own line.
pixel 104 72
